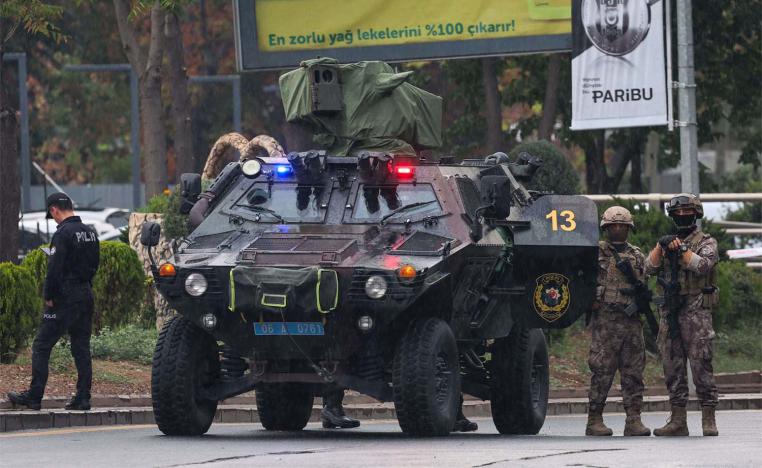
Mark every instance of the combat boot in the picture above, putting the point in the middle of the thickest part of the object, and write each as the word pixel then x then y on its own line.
pixel 79 402
pixel 633 426
pixel 708 424
pixel 25 399
pixel 333 415
pixel 595 426
pixel 677 425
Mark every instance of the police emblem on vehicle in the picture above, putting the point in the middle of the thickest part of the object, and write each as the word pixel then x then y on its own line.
pixel 551 296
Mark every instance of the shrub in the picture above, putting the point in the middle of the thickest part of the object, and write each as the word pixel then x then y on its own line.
pixel 157 204
pixel 20 309
pixel 556 175
pixel 173 224
pixel 37 263
pixel 118 286
pixel 129 343
pixel 740 298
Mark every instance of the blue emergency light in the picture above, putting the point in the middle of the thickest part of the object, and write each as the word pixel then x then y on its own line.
pixel 283 169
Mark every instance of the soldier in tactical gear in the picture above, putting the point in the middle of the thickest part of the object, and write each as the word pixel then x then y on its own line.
pixel 685 330
pixel 74 256
pixel 617 342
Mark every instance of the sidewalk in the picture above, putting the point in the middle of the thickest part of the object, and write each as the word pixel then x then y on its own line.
pixel 243 410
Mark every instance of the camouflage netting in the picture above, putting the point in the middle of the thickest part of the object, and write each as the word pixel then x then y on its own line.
pixel 380 111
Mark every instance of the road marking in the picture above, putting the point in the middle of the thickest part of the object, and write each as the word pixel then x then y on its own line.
pixel 73 430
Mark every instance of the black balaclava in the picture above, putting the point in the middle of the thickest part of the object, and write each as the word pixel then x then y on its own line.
pixel 685 224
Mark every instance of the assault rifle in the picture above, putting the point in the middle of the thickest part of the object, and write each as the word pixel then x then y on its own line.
pixel 639 292
pixel 673 302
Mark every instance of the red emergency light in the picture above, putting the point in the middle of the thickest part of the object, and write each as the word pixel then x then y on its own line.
pixel 404 171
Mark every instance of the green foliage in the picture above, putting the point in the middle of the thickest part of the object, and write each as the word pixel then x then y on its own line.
pixel 740 296
pixel 118 286
pixel 464 129
pixel 556 174
pixel 20 308
pixel 157 204
pixel 744 180
pixel 728 74
pixel 37 263
pixel 173 224
pixel 128 343
pixel 738 349
pixel 34 16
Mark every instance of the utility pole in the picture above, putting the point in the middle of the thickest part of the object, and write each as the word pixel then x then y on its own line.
pixel 686 97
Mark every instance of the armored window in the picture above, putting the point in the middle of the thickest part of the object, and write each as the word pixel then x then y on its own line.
pixel 374 202
pixel 269 203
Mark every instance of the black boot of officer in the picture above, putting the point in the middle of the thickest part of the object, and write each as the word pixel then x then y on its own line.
pixel 333 415
pixel 462 423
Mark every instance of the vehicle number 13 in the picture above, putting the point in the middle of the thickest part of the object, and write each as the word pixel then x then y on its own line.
pixel 568 220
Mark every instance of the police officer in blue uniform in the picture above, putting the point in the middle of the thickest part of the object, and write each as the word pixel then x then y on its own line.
pixel 73 259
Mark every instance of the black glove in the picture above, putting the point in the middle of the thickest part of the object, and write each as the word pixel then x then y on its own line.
pixel 664 241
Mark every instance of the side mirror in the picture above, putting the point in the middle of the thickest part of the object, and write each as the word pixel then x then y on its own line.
pixel 496 193
pixel 149 234
pixel 191 188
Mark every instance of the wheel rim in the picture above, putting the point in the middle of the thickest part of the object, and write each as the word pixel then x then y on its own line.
pixel 442 377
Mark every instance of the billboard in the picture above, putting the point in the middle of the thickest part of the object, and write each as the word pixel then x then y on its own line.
pixel 618 64
pixel 276 34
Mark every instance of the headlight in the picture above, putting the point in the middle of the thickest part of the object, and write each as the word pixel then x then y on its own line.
pixel 375 287
pixel 365 323
pixel 195 284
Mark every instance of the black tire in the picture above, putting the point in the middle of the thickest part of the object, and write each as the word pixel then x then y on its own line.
pixel 185 360
pixel 284 406
pixel 520 380
pixel 426 379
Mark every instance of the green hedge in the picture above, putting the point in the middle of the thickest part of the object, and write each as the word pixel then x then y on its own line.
pixel 740 297
pixel 118 286
pixel 173 225
pixel 20 309
pixel 556 174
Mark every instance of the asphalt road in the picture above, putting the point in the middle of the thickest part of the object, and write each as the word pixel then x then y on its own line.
pixel 380 443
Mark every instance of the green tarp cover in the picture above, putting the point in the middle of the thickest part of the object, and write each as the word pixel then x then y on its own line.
pixel 381 111
pixel 287 290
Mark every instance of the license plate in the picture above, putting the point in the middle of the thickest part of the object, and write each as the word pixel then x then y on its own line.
pixel 289 328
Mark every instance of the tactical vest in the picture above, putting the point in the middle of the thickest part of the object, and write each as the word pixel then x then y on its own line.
pixel 613 280
pixel 691 283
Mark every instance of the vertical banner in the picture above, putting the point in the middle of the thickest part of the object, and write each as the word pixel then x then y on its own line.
pixel 618 71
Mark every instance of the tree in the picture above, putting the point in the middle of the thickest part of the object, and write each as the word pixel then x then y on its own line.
pixel 181 105
pixel 492 105
pixel 30 17
pixel 147 63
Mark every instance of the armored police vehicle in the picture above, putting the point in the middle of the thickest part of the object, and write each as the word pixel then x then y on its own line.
pixel 408 280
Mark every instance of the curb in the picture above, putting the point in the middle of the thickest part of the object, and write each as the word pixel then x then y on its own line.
pixel 48 419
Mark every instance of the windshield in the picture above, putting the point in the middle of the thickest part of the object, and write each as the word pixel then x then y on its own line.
pixel 375 202
pixel 272 203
